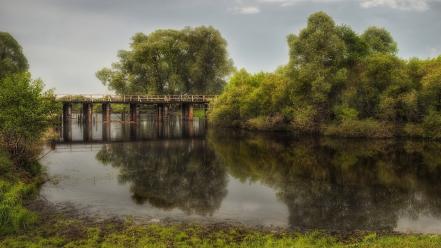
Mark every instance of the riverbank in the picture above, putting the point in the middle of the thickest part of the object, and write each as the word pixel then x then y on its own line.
pixel 70 232
pixel 346 129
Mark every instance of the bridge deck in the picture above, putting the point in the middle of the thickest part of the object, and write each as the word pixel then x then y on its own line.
pixel 148 99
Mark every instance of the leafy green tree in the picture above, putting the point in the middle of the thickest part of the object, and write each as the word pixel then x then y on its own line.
pixel 231 106
pixel 379 40
pixel 431 85
pixel 338 82
pixel 356 48
pixel 26 110
pixel 12 59
pixel 192 60
pixel 316 58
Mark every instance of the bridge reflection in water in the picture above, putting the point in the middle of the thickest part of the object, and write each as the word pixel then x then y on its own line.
pixel 116 130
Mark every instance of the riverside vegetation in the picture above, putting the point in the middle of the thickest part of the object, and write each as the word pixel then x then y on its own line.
pixel 343 80
pixel 338 83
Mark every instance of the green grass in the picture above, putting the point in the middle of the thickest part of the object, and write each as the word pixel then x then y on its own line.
pixel 13 192
pixel 81 233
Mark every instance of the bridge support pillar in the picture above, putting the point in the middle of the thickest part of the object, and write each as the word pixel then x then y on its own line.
pixel 106 112
pixel 133 112
pixel 106 131
pixel 205 111
pixel 67 130
pixel 67 111
pixel 87 112
pixel 187 111
pixel 162 111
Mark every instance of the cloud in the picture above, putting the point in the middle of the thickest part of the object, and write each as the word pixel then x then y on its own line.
pixel 414 5
pixel 418 5
pixel 246 10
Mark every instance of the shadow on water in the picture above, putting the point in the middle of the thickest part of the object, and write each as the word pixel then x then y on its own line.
pixel 268 179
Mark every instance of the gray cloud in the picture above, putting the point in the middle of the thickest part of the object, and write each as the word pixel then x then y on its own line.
pixel 66 42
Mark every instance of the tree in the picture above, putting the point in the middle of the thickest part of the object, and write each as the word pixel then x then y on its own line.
pixel 316 58
pixel 25 113
pixel 356 48
pixel 12 59
pixel 431 86
pixel 192 60
pixel 379 40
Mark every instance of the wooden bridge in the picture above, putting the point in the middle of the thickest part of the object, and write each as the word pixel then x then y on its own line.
pixel 162 103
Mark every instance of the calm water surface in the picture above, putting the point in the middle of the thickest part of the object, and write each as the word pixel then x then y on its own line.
pixel 186 172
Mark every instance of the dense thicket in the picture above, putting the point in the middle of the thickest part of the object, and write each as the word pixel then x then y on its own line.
pixel 192 60
pixel 338 82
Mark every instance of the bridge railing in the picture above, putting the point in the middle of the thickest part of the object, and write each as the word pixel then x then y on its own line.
pixel 134 98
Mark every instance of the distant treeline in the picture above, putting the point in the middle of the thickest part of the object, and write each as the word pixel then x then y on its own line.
pixel 338 82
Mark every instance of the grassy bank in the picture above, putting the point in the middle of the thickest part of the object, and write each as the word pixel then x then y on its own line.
pixel 16 188
pixel 82 233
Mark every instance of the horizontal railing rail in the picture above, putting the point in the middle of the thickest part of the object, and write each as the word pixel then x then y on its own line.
pixel 133 98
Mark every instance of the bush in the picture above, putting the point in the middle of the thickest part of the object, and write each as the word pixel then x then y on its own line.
pixel 360 128
pixel 432 125
pixel 266 123
pixel 413 130
pixel 303 119
pixel 25 113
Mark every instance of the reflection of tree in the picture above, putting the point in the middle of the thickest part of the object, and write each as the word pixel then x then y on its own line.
pixel 340 184
pixel 170 174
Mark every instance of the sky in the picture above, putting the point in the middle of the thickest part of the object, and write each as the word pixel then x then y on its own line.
pixel 67 41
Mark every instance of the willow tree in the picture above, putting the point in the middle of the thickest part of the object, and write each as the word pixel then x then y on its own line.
pixel 192 60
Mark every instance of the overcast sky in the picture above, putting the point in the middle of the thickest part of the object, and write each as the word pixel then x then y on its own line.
pixel 67 41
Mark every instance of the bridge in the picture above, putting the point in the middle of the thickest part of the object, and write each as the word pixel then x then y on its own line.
pixel 162 103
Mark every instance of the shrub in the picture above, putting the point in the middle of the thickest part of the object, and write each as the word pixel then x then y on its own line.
pixel 432 125
pixel 266 123
pixel 360 128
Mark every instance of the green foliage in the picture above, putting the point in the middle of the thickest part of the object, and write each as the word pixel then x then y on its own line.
pixel 249 96
pixel 25 113
pixel 12 59
pixel 337 82
pixel 432 125
pixel 379 40
pixel 13 215
pixel 192 60
pixel 74 233
pixel 360 128
pixel 315 66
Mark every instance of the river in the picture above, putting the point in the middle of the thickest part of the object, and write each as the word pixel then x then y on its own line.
pixel 185 172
